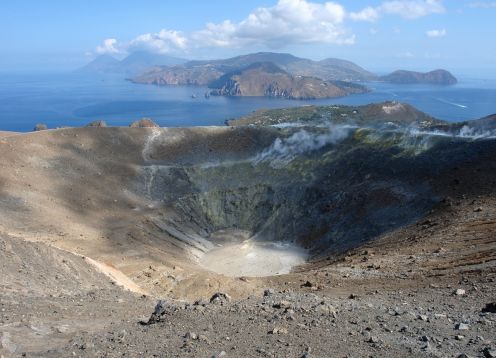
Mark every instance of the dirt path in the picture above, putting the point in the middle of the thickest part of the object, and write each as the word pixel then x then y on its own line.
pixel 116 276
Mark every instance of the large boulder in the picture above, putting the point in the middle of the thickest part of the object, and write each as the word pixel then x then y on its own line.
pixel 144 123
pixel 162 308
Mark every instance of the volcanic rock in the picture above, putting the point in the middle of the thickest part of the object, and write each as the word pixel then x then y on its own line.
pixel 220 298
pixel 490 307
pixel 97 124
pixel 40 127
pixel 144 123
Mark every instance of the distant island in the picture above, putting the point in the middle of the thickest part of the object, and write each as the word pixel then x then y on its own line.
pixel 137 62
pixel 436 77
pixel 267 79
pixel 267 74
pixel 204 72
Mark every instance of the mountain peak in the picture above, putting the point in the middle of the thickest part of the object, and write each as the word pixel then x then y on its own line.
pixel 102 63
pixel 268 67
pixel 134 63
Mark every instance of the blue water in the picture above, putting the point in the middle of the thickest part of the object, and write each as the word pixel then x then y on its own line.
pixel 75 100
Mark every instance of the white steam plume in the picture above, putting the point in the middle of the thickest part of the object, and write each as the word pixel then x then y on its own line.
pixel 285 150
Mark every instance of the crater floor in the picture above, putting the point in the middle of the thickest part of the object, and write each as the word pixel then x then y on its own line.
pixel 252 258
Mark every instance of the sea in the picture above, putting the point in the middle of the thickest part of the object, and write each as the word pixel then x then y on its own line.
pixel 74 99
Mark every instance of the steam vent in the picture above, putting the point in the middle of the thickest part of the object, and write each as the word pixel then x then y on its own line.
pixel 341 202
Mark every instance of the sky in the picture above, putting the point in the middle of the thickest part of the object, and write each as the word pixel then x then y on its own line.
pixel 379 35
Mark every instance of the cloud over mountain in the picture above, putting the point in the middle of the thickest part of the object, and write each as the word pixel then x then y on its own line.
pixel 163 41
pixel 108 47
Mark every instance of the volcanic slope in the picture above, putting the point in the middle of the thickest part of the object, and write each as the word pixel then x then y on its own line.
pixel 391 208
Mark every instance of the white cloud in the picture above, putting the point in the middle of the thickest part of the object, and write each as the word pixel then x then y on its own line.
pixel 436 33
pixel 367 14
pixel 408 9
pixel 288 22
pixel 164 41
pixel 216 35
pixel 483 5
pixel 412 9
pixel 109 46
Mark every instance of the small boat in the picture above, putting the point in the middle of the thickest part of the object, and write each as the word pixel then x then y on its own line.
pixel 193 95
